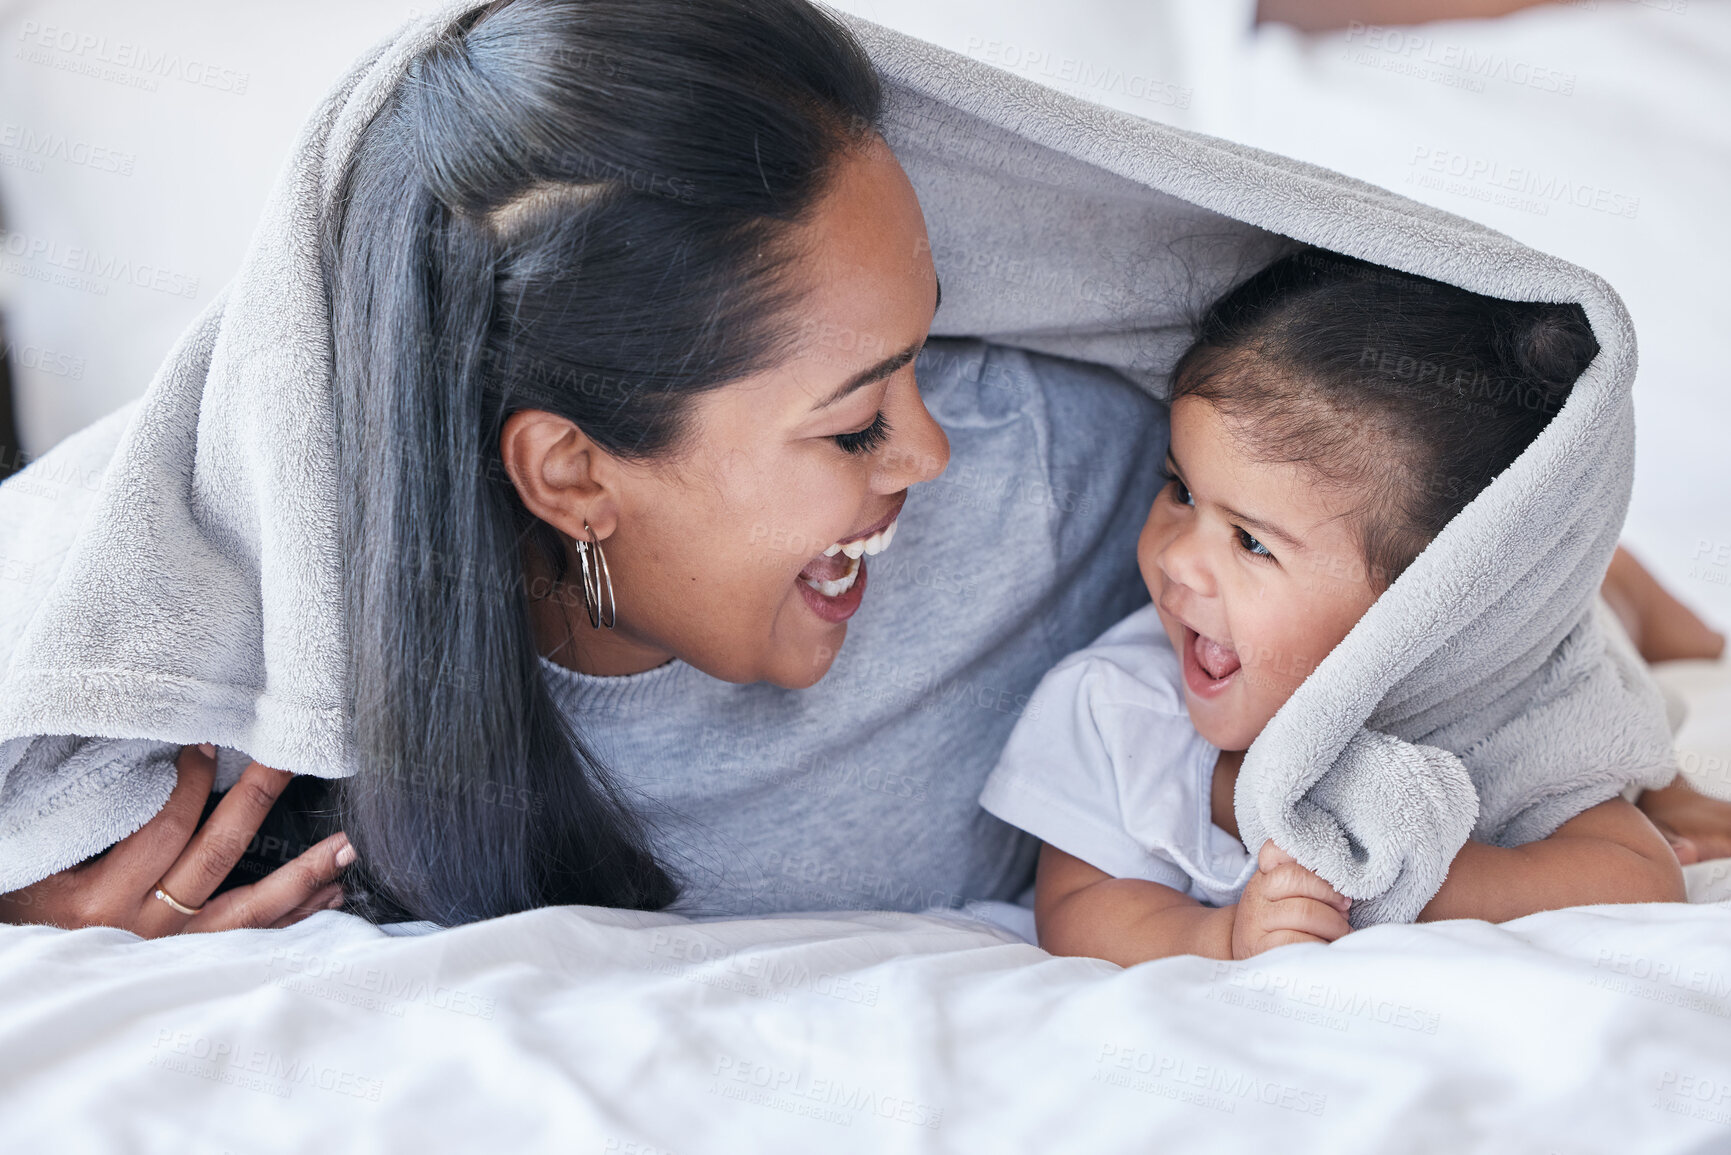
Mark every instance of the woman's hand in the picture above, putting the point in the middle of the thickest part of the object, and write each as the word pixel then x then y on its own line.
pixel 1285 903
pixel 188 862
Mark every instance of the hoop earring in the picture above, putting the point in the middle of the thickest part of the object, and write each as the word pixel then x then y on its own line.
pixel 597 580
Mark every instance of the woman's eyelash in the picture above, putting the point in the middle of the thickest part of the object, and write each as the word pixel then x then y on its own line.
pixel 867 439
pixel 1183 494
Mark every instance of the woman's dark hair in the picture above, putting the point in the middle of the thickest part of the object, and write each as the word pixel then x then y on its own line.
pixel 1410 392
pixel 580 206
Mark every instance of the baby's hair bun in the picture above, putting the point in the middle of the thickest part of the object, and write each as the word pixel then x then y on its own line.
pixel 1550 345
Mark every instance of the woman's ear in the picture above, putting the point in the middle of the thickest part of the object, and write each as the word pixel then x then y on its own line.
pixel 561 476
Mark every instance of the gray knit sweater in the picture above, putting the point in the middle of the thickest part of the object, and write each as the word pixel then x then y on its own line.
pixel 862 791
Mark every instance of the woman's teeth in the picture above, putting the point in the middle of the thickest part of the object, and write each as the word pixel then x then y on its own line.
pixel 853 550
pixel 866 546
pixel 838 587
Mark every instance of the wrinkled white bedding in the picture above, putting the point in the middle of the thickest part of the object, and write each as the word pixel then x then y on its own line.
pixel 576 1030
pixel 583 1030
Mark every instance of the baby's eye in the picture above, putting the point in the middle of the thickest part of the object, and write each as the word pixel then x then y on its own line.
pixel 1180 492
pixel 1251 545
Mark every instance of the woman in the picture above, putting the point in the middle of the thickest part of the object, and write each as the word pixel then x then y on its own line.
pixel 625 337
pixel 599 290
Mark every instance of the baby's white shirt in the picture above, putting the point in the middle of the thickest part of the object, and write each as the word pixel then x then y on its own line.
pixel 1105 765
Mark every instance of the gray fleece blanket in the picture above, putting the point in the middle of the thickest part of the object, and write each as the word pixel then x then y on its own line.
pixel 173 570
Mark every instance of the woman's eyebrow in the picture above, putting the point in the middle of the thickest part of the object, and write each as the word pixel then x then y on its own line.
pixel 876 373
pixel 883 368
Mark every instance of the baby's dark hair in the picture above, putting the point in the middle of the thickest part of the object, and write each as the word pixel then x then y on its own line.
pixel 1411 392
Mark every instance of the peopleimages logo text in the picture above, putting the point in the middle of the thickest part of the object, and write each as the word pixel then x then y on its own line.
pixel 89 47
pixel 88 262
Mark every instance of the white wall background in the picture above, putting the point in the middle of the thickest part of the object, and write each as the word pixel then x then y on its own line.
pixel 139 138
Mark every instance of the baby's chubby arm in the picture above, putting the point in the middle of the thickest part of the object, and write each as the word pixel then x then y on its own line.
pixel 1607 853
pixel 1081 910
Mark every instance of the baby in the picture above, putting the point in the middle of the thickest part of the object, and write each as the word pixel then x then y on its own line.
pixel 1330 419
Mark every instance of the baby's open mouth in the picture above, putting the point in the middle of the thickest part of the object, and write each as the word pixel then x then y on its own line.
pixel 833 572
pixel 1217 659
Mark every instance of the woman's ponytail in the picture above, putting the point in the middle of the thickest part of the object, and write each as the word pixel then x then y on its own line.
pixel 474 801
pixel 505 237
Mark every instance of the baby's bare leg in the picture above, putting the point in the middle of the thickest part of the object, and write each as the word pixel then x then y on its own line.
pixel 1697 827
pixel 1662 628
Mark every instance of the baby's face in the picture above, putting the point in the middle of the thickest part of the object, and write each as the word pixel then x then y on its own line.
pixel 1255 571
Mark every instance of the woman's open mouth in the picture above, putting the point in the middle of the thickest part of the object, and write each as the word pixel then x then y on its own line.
pixel 834 582
pixel 1209 666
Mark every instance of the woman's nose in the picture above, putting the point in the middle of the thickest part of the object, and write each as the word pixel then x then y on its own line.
pixel 919 449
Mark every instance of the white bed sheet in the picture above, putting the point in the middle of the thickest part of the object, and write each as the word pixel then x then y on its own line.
pixel 584 1030
pixel 576 1030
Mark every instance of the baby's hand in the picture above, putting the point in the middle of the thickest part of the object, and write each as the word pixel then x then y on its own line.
pixel 1282 903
